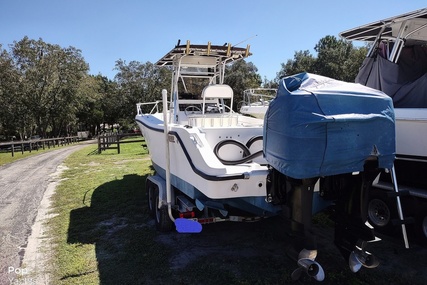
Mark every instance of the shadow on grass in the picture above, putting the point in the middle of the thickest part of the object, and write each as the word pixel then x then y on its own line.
pixel 129 251
pixel 115 222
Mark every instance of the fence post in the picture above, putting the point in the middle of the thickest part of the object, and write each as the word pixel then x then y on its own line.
pixel 118 143
pixel 99 143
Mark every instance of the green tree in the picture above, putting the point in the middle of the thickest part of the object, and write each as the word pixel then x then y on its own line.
pixel 111 102
pixel 336 58
pixel 242 75
pixel 90 114
pixel 303 61
pixel 332 53
pixel 270 83
pixel 138 82
pixel 14 115
pixel 49 80
pixel 353 63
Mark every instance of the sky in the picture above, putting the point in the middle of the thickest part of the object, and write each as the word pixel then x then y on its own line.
pixel 145 30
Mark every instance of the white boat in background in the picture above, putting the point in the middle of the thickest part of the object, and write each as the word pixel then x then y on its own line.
pixel 213 164
pixel 397 65
pixel 256 101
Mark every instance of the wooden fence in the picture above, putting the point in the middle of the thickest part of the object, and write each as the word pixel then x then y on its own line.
pixel 114 140
pixel 36 144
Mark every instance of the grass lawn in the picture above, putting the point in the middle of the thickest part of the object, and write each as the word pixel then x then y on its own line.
pixel 100 235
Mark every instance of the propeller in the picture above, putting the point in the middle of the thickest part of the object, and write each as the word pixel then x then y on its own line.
pixel 308 265
pixel 359 257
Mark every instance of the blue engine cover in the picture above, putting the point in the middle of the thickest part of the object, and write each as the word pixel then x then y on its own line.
pixel 318 126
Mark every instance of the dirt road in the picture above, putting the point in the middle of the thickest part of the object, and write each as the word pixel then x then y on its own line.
pixel 22 186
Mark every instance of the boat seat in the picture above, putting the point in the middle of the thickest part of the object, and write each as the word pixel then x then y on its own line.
pixel 217 91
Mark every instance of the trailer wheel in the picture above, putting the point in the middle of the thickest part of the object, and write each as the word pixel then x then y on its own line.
pixel 163 221
pixel 379 215
pixel 151 201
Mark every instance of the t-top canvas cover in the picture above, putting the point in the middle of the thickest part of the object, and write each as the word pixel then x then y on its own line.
pixel 404 82
pixel 318 126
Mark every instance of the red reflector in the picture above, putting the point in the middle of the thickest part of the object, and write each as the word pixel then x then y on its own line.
pixel 187 215
pixel 206 220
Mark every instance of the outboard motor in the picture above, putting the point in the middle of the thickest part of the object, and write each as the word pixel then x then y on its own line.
pixel 339 134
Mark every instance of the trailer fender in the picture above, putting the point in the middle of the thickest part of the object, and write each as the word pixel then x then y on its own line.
pixel 161 184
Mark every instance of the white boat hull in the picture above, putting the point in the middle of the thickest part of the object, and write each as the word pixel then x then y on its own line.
pixel 255 111
pixel 411 127
pixel 192 161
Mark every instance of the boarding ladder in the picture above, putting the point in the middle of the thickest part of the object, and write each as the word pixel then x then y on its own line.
pixel 397 194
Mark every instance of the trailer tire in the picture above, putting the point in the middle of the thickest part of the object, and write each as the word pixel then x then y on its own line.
pixel 151 200
pixel 162 219
pixel 380 215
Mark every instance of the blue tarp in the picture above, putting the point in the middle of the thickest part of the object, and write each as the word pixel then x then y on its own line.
pixel 318 126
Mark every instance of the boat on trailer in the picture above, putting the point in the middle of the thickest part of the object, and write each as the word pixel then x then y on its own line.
pixel 215 153
pixel 212 164
pixel 397 65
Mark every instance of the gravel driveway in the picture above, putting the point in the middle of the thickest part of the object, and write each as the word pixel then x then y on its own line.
pixel 22 186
